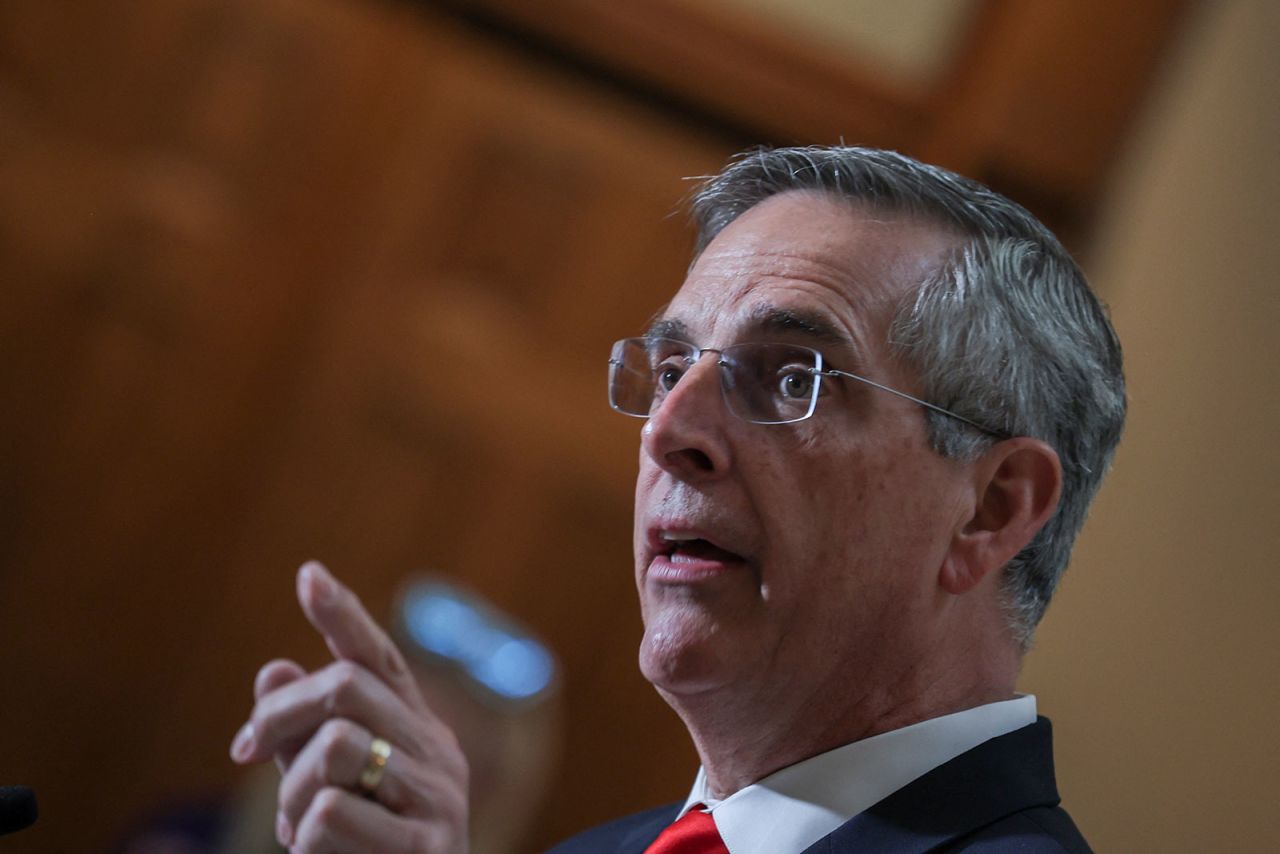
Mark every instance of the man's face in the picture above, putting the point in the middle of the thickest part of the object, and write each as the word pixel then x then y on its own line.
pixel 795 562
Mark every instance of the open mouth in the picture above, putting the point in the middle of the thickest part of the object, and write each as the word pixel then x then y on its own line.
pixel 685 558
pixel 699 549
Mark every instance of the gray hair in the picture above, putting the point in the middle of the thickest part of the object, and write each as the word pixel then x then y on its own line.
pixel 1006 332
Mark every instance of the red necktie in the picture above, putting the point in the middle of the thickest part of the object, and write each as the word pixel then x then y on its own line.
pixel 694 833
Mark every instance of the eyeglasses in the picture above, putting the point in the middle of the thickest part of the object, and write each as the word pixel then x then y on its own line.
pixel 763 383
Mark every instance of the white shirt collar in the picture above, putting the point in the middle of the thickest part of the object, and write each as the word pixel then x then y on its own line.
pixel 796 806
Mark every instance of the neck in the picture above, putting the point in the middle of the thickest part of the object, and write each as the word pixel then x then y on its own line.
pixel 745 733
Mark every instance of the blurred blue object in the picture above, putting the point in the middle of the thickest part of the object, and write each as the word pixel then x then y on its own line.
pixel 445 623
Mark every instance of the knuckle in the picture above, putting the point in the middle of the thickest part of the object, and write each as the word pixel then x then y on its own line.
pixel 345 678
pixel 308 837
pixel 326 807
pixel 344 670
pixel 393 662
pixel 275 674
pixel 334 736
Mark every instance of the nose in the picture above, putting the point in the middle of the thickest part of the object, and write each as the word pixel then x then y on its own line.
pixel 686 435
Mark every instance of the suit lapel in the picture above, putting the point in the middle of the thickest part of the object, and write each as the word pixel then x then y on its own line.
pixel 995 779
pixel 640 836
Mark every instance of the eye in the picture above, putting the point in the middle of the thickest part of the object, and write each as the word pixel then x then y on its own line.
pixel 666 375
pixel 796 384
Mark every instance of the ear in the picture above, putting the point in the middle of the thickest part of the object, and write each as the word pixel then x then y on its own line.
pixel 1016 485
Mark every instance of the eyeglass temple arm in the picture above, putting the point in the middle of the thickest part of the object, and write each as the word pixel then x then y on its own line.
pixel 831 372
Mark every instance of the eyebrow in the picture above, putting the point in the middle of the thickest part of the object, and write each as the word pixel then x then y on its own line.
pixel 666 328
pixel 771 320
pixel 767 321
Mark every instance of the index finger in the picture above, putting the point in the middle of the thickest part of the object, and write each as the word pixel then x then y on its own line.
pixel 350 632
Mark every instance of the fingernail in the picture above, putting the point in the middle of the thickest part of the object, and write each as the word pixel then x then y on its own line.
pixel 242 746
pixel 284 833
pixel 321 584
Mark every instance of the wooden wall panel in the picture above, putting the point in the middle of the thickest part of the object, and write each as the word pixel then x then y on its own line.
pixel 1042 95
pixel 1035 100
pixel 299 279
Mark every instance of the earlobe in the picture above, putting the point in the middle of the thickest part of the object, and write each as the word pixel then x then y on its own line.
pixel 1016 485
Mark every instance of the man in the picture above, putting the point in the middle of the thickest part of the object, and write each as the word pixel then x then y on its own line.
pixel 877 411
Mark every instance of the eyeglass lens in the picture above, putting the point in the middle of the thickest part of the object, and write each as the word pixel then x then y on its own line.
pixel 763 383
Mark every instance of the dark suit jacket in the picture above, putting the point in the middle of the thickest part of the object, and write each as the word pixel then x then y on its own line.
pixel 999 797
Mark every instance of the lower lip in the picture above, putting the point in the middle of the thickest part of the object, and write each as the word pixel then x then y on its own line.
pixel 678 569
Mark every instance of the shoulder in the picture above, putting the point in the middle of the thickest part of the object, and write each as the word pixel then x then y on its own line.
pixel 997 798
pixel 1039 830
pixel 633 832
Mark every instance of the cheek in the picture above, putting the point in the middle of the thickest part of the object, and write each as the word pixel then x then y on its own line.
pixel 815 509
pixel 646 478
pixel 847 523
pixel 846 515
pixel 647 474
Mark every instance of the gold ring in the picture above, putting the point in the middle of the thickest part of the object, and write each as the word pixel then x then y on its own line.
pixel 371 776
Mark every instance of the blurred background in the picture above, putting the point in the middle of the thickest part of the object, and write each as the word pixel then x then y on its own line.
pixel 292 279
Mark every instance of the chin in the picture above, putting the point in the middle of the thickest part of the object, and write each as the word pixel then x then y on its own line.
pixel 679 659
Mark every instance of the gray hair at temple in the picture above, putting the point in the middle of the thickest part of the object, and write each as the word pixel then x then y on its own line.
pixel 1006 332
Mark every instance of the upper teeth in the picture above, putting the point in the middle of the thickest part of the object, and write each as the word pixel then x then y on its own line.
pixel 677 538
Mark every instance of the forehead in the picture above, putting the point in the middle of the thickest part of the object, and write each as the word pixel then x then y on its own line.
pixel 809 256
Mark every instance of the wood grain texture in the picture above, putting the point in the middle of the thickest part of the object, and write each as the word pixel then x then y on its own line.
pixel 1035 99
pixel 290 280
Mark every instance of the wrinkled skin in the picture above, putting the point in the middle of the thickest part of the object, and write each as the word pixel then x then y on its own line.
pixel 842 522
pixel 319 728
